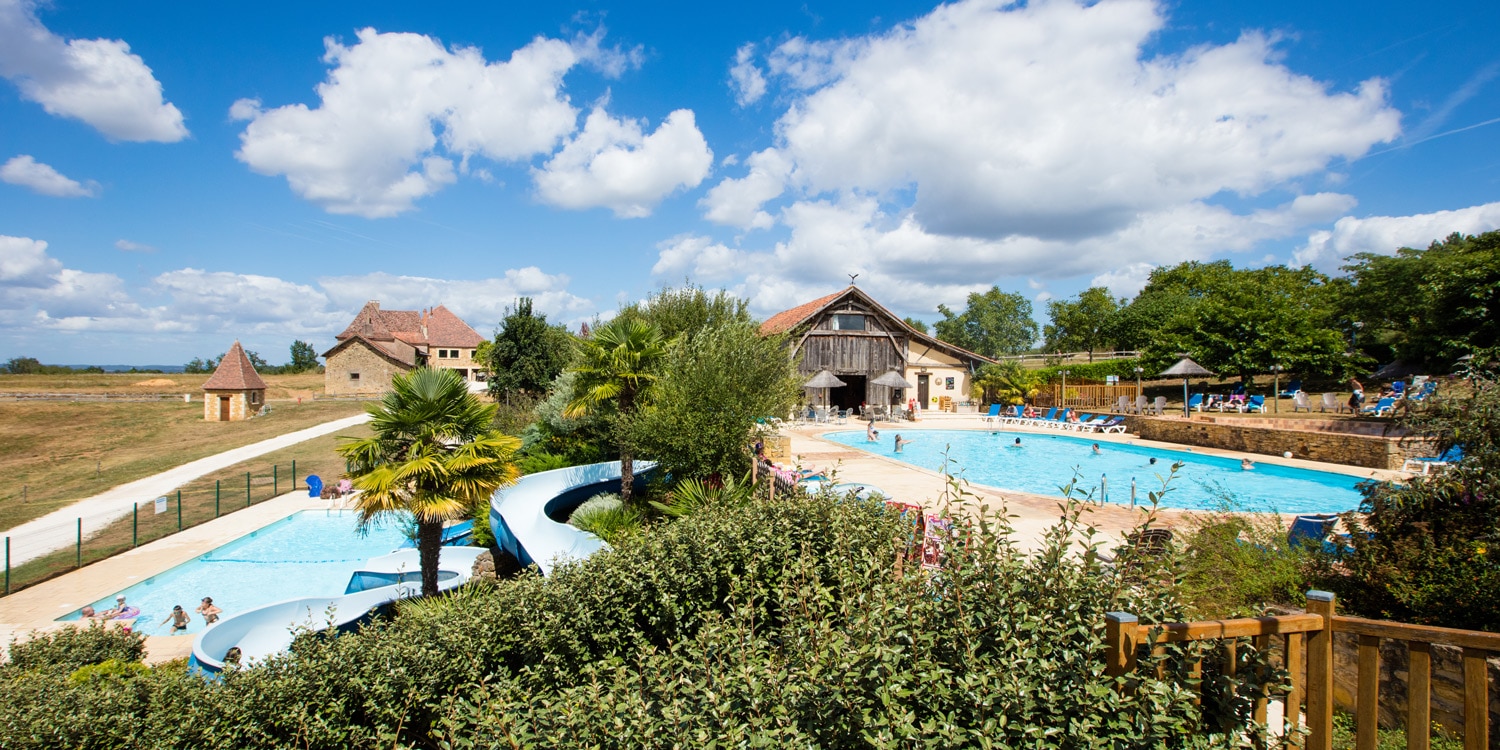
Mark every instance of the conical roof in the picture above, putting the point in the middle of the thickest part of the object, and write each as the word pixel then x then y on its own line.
pixel 1185 368
pixel 235 373
pixel 892 379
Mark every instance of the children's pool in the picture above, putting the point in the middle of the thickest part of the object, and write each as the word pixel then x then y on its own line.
pixel 311 553
pixel 1044 463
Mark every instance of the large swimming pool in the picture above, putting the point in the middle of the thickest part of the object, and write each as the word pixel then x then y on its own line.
pixel 311 553
pixel 1044 463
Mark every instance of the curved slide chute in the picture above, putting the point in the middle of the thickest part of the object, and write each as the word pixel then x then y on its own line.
pixel 268 630
pixel 526 516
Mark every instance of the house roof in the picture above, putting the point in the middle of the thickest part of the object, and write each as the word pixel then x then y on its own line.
pixel 402 358
pixel 435 327
pixel 787 320
pixel 235 373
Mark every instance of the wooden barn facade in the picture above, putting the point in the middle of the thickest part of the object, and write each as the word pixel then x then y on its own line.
pixel 857 339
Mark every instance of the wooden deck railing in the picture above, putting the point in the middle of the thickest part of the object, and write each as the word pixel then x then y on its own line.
pixel 1312 634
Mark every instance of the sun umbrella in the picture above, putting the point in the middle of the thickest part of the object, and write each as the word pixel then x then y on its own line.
pixel 892 379
pixel 824 379
pixel 1185 368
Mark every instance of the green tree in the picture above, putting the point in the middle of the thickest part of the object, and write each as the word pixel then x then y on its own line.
pixel 914 323
pixel 303 357
pixel 23 366
pixel 1086 323
pixel 527 353
pixel 995 323
pixel 433 454
pixel 1427 306
pixel 685 311
pixel 615 366
pixel 1006 383
pixel 198 366
pixel 741 374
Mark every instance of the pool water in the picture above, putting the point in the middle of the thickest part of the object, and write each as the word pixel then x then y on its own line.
pixel 1044 463
pixel 311 553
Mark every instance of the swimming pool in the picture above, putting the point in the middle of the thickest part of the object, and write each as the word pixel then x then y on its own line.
pixel 310 553
pixel 1044 463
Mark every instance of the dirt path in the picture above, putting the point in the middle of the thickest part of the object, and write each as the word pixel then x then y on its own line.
pixel 38 537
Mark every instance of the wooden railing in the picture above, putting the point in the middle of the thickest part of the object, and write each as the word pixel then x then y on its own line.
pixel 1312 634
pixel 1038 361
pixel 1081 396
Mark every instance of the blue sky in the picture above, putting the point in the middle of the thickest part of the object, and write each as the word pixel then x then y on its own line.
pixel 176 176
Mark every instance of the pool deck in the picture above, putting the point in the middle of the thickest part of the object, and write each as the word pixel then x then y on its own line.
pixel 1032 514
pixel 37 607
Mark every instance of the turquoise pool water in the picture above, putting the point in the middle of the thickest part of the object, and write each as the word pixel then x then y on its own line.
pixel 311 553
pixel 1044 463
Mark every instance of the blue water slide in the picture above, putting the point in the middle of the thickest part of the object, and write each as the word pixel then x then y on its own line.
pixel 265 631
pixel 527 517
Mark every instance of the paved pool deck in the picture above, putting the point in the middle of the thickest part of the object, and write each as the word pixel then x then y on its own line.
pixel 1032 514
pixel 38 607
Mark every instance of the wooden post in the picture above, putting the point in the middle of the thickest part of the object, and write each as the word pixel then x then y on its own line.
pixel 1294 664
pixel 1367 705
pixel 1476 700
pixel 1121 629
pixel 1262 644
pixel 1419 696
pixel 1320 673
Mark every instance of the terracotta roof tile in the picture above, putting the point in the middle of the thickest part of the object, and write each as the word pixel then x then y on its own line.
pixel 446 329
pixel 235 373
pixel 786 320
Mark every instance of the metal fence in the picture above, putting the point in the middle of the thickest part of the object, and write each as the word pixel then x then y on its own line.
pixel 51 551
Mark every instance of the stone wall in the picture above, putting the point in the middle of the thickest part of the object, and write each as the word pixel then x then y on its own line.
pixel 239 404
pixel 1372 451
pixel 1447 684
pixel 375 372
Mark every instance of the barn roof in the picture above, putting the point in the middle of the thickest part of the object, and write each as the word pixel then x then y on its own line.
pixel 787 320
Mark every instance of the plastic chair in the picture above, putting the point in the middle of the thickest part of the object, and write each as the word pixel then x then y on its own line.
pixel 314 485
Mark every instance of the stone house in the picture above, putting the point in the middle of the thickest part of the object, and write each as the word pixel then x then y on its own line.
pixel 857 339
pixel 381 344
pixel 235 391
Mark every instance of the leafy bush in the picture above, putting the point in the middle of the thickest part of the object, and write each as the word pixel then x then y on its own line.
pixel 63 651
pixel 691 495
pixel 606 516
pixel 106 670
pixel 1124 368
pixel 535 462
pixel 1236 564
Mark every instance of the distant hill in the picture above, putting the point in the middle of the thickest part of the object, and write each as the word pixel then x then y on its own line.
pixel 127 368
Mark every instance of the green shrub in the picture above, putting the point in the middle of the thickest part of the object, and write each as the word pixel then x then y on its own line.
pixel 105 670
pixel 535 462
pixel 60 652
pixel 1235 564
pixel 1124 368
pixel 607 517
pixel 771 624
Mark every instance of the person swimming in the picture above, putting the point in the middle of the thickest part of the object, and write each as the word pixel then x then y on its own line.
pixel 1152 461
pixel 1247 465
pixel 1016 444
pixel 1096 449
pixel 901 443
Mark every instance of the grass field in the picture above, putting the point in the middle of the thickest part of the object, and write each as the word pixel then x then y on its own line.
pixel 204 499
pixel 278 387
pixel 56 452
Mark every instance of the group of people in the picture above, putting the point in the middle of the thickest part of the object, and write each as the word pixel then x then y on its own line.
pixel 179 618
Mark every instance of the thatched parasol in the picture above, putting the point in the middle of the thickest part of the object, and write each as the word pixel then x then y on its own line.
pixel 1185 368
pixel 824 379
pixel 892 379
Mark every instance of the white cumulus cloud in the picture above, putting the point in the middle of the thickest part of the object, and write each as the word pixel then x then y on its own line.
pixel 737 202
pixel 372 146
pixel 745 79
pixel 97 81
pixel 1326 250
pixel 29 173
pixel 613 163
pixel 482 303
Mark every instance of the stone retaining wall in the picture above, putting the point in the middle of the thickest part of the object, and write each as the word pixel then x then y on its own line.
pixel 1447 684
pixel 1375 452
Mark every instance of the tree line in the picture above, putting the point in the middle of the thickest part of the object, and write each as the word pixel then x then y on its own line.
pixel 1425 307
pixel 304 358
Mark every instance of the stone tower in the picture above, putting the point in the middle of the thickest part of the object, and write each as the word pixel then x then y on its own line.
pixel 235 391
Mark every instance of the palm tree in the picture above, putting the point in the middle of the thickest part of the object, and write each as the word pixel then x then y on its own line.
pixel 615 366
pixel 435 454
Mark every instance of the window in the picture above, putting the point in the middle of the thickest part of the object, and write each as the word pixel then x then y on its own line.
pixel 255 397
pixel 354 376
pixel 848 322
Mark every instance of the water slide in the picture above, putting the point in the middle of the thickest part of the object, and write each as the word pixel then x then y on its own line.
pixel 527 517
pixel 265 631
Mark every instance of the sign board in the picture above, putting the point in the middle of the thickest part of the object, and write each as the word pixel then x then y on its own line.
pixel 160 505
pixel 1112 379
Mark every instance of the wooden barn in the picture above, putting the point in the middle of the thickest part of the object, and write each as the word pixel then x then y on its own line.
pixel 857 339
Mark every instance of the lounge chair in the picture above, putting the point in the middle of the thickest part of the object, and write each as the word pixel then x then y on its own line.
pixel 1160 407
pixel 1399 388
pixel 1255 404
pixel 1236 402
pixel 994 415
pixel 1331 401
pixel 1078 426
pixel 1122 404
pixel 1195 402
pixel 1048 419
pixel 1140 404
pixel 1292 389
pixel 1145 544
pixel 1381 408
pixel 1300 401
pixel 1113 424
pixel 1311 529
pixel 1425 466
pixel 1060 421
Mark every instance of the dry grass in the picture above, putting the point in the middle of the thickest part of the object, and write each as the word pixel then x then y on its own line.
pixel 304 385
pixel 202 500
pixel 50 450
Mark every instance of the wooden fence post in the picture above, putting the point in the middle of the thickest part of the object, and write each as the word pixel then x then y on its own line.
pixel 1367 705
pixel 1476 700
pixel 1419 696
pixel 1320 673
pixel 1121 630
